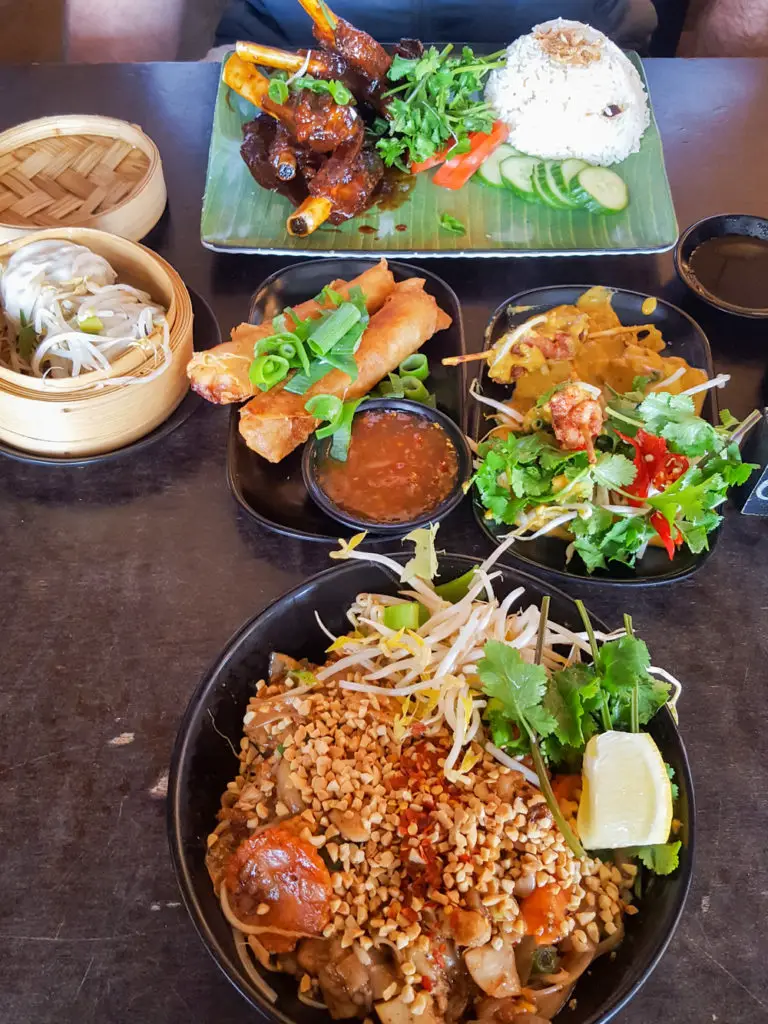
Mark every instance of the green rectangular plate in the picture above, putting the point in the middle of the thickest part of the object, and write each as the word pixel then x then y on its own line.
pixel 239 216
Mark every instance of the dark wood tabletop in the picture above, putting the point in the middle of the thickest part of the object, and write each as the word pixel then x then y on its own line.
pixel 120 582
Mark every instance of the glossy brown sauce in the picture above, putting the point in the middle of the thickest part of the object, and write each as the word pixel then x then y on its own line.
pixel 399 466
pixel 395 189
pixel 367 229
pixel 733 268
pixel 401 227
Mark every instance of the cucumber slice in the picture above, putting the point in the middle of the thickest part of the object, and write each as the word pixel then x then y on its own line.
pixel 556 189
pixel 517 174
pixel 489 171
pixel 600 190
pixel 541 187
pixel 570 168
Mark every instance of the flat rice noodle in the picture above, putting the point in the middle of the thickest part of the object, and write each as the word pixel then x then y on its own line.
pixel 275 422
pixel 220 374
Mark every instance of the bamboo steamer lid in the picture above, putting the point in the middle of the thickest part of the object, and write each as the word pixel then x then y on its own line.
pixel 87 415
pixel 79 170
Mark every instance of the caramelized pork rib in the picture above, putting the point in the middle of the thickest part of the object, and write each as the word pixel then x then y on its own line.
pixel 349 180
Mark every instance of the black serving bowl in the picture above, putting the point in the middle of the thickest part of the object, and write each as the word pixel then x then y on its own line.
pixel 316 451
pixel 204 761
pixel 715 227
pixel 684 338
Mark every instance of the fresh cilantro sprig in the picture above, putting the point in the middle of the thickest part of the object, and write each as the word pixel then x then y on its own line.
pixel 519 689
pixel 435 102
pixel 551 716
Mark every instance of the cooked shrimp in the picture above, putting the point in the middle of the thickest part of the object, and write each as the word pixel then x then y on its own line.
pixel 277 870
pixel 577 418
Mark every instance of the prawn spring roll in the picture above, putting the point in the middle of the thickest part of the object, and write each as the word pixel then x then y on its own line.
pixel 220 374
pixel 275 422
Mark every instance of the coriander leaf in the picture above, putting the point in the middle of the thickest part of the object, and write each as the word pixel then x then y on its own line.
pixel 614 471
pixel 451 224
pixel 673 785
pixel 518 686
pixel 621 663
pixel 673 417
pixel 661 859
pixel 504 733
pixel 640 383
pixel 570 695
pixel 652 695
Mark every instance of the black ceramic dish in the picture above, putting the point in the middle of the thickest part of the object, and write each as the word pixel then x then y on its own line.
pixel 203 763
pixel 316 451
pixel 715 227
pixel 684 338
pixel 206 334
pixel 274 494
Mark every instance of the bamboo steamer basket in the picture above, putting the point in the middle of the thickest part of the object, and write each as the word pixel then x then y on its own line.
pixel 87 415
pixel 79 170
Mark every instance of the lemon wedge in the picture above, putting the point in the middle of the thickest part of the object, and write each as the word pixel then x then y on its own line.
pixel 626 795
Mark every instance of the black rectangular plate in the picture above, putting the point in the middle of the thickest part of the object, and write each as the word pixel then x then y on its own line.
pixel 274 493
pixel 684 338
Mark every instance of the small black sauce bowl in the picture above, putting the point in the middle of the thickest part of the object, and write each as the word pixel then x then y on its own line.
pixel 315 451
pixel 715 227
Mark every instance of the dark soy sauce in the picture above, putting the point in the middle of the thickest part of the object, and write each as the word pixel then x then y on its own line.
pixel 734 268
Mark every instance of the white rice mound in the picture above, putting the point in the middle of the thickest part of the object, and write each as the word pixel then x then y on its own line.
pixel 568 91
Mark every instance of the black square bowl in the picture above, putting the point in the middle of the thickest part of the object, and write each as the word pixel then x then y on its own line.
pixel 684 338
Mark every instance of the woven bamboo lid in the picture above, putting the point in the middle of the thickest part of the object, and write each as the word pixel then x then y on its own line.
pixel 79 170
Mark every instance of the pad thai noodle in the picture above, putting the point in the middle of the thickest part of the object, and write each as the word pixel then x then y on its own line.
pixel 406 830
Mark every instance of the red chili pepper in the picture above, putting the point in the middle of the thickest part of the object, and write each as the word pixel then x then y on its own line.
pixel 661 525
pixel 654 463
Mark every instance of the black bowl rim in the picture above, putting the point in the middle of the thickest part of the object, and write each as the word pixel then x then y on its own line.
pixel 673 576
pixel 228 967
pixel 691 281
pixel 313 448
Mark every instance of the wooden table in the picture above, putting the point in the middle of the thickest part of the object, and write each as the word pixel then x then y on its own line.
pixel 119 583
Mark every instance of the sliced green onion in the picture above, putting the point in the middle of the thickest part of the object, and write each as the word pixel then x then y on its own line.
pixel 343 434
pixel 455 590
pixel 416 366
pixel 267 370
pixel 325 407
pixel 403 616
pixel 332 328
pixel 414 389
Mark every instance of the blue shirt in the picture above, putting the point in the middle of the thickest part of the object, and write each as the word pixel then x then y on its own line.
pixel 285 24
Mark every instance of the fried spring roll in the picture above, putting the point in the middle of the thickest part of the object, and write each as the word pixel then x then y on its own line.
pixel 275 422
pixel 220 375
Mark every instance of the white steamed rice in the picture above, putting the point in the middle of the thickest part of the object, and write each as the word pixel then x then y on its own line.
pixel 565 105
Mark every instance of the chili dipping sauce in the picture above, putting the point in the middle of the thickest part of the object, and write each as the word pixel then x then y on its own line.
pixel 399 466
